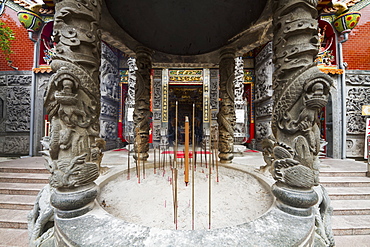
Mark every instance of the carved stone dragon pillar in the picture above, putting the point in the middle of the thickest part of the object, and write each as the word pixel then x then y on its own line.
pixel 74 150
pixel 142 113
pixel 300 92
pixel 226 114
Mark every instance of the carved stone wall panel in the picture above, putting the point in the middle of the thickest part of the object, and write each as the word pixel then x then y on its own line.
pixel 356 98
pixel 2 80
pixel 109 77
pixel 264 109
pixel 108 109
pixel 14 145
pixel 263 86
pixel 265 54
pixel 109 130
pixel 3 108
pixel 263 130
pixel 358 94
pixel 157 132
pixel 19 80
pixel 358 78
pixel 18 111
pixel 110 96
pixel 157 93
pixel 109 55
pixel 355 146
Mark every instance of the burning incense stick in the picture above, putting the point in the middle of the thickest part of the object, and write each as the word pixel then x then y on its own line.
pixel 186 150
pixel 192 171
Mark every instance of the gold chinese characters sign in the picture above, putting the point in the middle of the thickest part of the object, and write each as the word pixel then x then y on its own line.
pixel 181 76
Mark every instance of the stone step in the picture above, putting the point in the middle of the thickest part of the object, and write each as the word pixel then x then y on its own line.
pixel 13 237
pixel 20 202
pixel 24 178
pixel 23 170
pixel 353 241
pixel 342 174
pixel 345 181
pixel 351 225
pixel 348 193
pixel 20 188
pixel 351 207
pixel 11 218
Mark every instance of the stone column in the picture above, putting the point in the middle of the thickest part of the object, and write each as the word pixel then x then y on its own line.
pixel 73 151
pixel 142 113
pixel 300 91
pixel 226 114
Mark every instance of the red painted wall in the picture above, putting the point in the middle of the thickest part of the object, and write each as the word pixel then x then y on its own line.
pixel 22 46
pixel 356 50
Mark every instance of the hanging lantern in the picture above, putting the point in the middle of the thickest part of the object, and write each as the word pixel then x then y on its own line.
pixel 344 23
pixel 30 20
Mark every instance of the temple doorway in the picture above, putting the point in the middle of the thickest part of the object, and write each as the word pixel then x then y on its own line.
pixel 186 96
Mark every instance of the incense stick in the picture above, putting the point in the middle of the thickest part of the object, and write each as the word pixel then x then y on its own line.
pixel 192 170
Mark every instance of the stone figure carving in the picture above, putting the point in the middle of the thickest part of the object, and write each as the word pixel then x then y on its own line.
pixel 72 101
pixel 323 212
pixel 74 126
pixel 300 91
pixel 226 114
pixel 142 113
pixel 41 219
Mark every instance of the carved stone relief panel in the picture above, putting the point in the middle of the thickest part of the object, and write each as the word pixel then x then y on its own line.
pixel 15 145
pixel 157 115
pixel 108 130
pixel 263 130
pixel 214 96
pixel 263 86
pixel 157 93
pixel 356 98
pixel 108 109
pixel 19 80
pixel 109 85
pixel 264 54
pixel 3 80
pixel 356 78
pixel 157 132
pixel 358 94
pixel 355 146
pixel 18 109
pixel 264 109
pixel 109 55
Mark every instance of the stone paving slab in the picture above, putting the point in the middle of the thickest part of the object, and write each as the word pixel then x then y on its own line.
pixel 13 237
pixel 332 165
